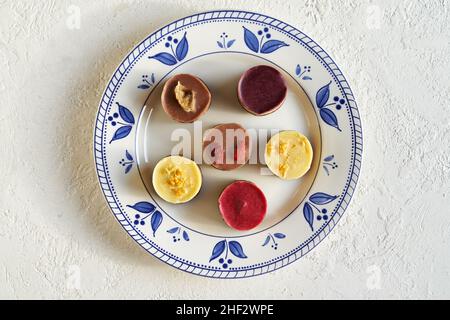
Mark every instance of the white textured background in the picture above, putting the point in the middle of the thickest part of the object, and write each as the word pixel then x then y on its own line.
pixel 393 242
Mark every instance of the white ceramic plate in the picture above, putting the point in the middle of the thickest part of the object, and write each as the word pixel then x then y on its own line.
pixel 132 133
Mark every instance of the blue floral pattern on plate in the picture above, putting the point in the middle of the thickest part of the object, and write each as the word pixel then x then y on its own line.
pixel 317 199
pixel 300 72
pixel 125 126
pixel 176 55
pixel 127 162
pixel 264 44
pixel 328 164
pixel 149 210
pixel 178 234
pixel 327 115
pixel 271 238
pixel 227 247
pixel 147 81
pixel 224 42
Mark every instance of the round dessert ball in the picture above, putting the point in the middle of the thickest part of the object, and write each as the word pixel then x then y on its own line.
pixel 226 146
pixel 242 205
pixel 176 179
pixel 185 98
pixel 262 90
pixel 289 154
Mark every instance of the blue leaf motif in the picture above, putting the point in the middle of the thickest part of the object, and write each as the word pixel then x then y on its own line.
pixel 185 236
pixel 144 207
pixel 143 86
pixel 236 249
pixel 321 198
pixel 298 70
pixel 153 78
pixel 329 158
pixel 329 117
pixel 323 95
pixel 230 43
pixel 165 58
pixel 128 155
pixel 266 241
pixel 220 44
pixel 182 48
pixel 218 249
pixel 126 114
pixel 308 214
pixel 307 78
pixel 272 45
pixel 173 230
pixel 251 40
pixel 156 221
pixel 279 235
pixel 128 168
pixel 121 133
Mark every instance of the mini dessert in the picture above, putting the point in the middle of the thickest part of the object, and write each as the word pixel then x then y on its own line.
pixel 289 155
pixel 176 179
pixel 243 205
pixel 262 90
pixel 226 146
pixel 185 98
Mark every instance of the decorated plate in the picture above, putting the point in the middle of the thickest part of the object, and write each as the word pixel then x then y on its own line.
pixel 132 132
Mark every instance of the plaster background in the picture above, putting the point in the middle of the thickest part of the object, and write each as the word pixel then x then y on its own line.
pixel 393 241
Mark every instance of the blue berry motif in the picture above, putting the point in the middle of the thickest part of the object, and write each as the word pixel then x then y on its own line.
pixel 224 43
pixel 178 48
pixel 329 163
pixel 178 234
pixel 259 45
pixel 125 119
pixel 271 239
pixel 316 200
pixel 303 73
pixel 227 247
pixel 127 162
pixel 325 111
pixel 148 210
pixel 147 82
pixel 337 102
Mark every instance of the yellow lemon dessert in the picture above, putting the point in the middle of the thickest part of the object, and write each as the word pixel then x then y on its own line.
pixel 177 179
pixel 289 154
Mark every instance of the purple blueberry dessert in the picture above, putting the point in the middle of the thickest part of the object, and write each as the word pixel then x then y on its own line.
pixel 262 90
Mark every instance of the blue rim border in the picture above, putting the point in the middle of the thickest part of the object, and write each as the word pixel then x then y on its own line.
pixel 355 122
